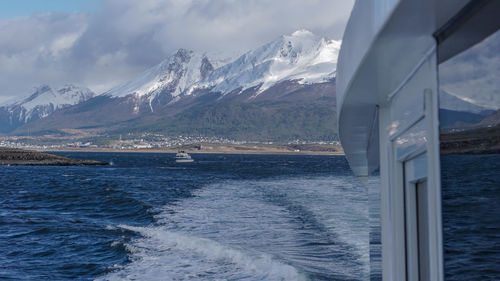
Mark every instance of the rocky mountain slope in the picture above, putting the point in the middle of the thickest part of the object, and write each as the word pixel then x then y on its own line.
pixel 492 119
pixel 288 76
pixel 282 90
pixel 457 112
pixel 301 56
pixel 40 104
pixel 451 101
pixel 162 83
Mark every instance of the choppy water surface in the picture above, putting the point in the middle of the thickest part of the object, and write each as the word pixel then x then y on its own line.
pixel 224 217
pixel 471 217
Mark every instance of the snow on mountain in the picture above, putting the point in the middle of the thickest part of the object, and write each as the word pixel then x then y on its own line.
pixel 181 81
pixel 45 100
pixel 300 56
pixel 172 76
pixel 450 101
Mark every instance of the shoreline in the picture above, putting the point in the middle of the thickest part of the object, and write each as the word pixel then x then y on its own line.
pixel 192 152
pixel 475 141
pixel 20 157
pixel 220 149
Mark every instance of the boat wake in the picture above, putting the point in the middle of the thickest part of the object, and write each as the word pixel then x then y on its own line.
pixel 164 254
pixel 279 229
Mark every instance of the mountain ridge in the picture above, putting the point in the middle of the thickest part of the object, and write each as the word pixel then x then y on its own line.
pixel 41 103
pixel 295 68
pixel 289 76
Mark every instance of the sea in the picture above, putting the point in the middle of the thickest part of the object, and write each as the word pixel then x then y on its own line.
pixel 228 217
pixel 471 217
pixel 223 217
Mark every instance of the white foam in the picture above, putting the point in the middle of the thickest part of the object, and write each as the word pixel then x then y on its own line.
pixel 255 230
pixel 167 255
pixel 340 205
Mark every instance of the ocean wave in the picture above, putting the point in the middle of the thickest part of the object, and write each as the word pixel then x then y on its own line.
pixel 164 254
pixel 275 229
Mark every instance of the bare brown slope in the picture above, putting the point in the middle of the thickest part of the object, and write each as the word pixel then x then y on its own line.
pixel 475 141
pixel 119 115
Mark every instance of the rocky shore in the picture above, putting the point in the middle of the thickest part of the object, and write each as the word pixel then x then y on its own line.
pixel 476 141
pixel 13 156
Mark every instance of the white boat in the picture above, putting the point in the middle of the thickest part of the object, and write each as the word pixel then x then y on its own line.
pixel 388 119
pixel 183 157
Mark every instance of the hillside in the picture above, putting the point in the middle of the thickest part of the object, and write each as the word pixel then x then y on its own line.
pixel 283 90
pixel 474 141
pixel 41 103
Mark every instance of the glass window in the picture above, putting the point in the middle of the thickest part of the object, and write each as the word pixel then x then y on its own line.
pixel 470 161
pixel 373 186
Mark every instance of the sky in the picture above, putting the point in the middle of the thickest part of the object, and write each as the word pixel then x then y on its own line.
pixel 103 43
pixel 474 74
pixel 16 8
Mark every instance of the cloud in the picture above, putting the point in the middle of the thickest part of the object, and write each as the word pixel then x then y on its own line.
pixel 122 38
pixel 31 49
pixel 474 73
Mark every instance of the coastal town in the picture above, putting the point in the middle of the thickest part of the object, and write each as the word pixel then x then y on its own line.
pixel 161 143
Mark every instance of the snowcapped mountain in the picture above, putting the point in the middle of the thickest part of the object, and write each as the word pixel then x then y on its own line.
pixel 283 90
pixel 282 80
pixel 174 75
pixel 43 102
pixel 301 56
pixel 457 112
pixel 169 78
pixel 450 101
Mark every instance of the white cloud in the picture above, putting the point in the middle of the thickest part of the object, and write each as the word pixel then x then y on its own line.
pixel 124 37
pixel 474 73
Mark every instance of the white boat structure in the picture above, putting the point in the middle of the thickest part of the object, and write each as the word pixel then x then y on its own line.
pixel 183 157
pixel 387 97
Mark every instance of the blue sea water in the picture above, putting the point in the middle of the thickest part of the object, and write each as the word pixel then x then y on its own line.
pixel 223 217
pixel 471 217
pixel 227 217
pixel 470 214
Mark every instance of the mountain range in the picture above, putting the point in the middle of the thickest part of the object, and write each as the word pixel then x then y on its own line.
pixel 456 112
pixel 40 104
pixel 283 90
